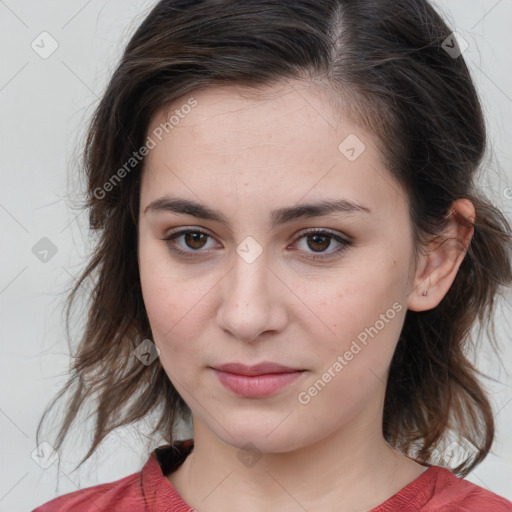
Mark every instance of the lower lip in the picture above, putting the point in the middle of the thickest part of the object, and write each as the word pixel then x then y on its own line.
pixel 257 386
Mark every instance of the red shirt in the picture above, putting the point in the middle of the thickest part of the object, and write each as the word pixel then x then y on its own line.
pixel 436 490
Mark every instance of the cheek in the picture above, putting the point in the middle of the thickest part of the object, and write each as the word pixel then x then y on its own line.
pixel 358 298
pixel 160 290
pixel 176 304
pixel 352 365
pixel 364 311
pixel 174 324
pixel 171 308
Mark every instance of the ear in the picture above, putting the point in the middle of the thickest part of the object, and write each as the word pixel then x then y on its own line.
pixel 437 268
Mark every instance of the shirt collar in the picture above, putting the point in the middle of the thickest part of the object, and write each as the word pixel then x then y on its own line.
pixel 158 492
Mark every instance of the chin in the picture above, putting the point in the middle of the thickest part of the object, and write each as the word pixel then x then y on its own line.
pixel 271 434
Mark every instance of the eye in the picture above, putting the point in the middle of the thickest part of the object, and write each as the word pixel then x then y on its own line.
pixel 320 239
pixel 195 240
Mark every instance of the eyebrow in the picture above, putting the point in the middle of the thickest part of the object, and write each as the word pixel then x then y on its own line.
pixel 278 216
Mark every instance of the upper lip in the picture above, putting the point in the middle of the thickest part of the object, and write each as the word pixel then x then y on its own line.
pixel 257 369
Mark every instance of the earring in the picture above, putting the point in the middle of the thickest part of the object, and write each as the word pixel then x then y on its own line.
pixel 425 293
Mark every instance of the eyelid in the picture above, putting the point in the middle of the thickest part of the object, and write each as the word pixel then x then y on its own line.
pixel 327 231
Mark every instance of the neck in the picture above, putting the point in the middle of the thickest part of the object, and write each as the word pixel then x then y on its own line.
pixel 352 469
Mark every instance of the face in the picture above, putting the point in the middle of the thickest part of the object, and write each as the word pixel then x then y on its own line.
pixel 317 290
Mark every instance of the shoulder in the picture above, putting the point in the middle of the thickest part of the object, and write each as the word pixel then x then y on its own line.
pixel 453 494
pixel 136 492
pixel 125 493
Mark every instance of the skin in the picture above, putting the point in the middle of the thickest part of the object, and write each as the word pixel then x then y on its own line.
pixel 246 153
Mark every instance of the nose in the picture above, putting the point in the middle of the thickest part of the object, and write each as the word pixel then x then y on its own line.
pixel 253 300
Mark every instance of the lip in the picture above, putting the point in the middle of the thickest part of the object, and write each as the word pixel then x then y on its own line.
pixel 256 381
pixel 263 368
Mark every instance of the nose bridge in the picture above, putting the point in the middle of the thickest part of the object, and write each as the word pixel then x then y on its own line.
pixel 250 274
pixel 249 300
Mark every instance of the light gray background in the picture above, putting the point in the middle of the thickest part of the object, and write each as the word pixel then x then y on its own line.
pixel 45 105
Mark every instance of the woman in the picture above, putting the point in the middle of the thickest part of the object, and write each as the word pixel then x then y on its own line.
pixel 292 252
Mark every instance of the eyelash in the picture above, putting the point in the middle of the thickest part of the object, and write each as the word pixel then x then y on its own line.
pixel 345 244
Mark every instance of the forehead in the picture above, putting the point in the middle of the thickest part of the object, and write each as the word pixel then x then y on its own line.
pixel 253 115
pixel 291 138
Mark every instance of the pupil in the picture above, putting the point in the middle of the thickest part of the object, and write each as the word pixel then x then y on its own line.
pixel 195 238
pixel 316 237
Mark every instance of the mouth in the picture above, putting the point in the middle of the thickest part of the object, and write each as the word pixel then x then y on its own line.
pixel 256 381
pixel 264 368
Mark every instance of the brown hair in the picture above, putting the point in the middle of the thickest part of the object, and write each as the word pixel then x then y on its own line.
pixel 386 58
